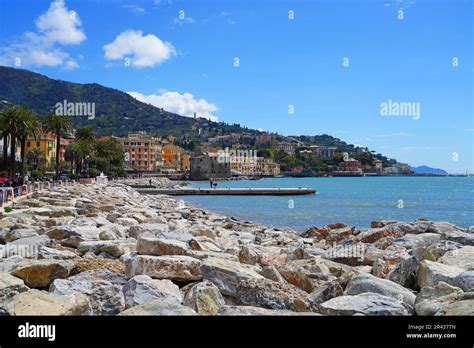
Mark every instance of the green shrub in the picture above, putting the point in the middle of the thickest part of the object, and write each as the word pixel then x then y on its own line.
pixel 74 176
pixel 37 173
pixel 8 209
pixel 93 172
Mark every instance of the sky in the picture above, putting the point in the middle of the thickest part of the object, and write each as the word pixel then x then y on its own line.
pixel 296 67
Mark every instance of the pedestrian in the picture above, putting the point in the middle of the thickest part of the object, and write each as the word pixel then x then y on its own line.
pixel 210 183
pixel 150 182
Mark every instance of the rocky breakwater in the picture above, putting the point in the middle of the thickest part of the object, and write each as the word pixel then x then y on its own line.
pixel 107 250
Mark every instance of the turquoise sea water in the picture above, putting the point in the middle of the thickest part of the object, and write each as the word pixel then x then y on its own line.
pixel 355 201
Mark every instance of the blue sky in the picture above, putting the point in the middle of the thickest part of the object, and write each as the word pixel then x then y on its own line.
pixel 184 61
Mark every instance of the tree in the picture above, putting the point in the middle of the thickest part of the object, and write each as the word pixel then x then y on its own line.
pixel 57 124
pixel 28 127
pixel 35 158
pixel 17 123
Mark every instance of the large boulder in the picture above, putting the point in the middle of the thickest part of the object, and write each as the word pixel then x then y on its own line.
pixel 159 307
pixel 142 288
pixel 367 283
pixel 36 302
pixel 430 273
pixel 103 287
pixel 363 304
pixel 227 275
pixel 465 280
pixel 116 247
pixel 151 245
pixel 461 308
pixel 430 300
pixel 257 311
pixel 73 235
pixel 9 287
pixel 404 273
pixel 326 291
pixel 174 267
pixel 204 298
pixel 463 258
pixel 272 295
pixel 41 273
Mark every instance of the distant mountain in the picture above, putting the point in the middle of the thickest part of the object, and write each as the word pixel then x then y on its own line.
pixel 117 113
pixel 428 170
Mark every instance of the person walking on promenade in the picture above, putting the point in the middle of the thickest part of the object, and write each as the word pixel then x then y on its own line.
pixel 210 183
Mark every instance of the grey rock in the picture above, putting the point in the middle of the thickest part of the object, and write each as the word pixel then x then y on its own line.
pixel 363 304
pixel 142 288
pixel 159 307
pixel 366 283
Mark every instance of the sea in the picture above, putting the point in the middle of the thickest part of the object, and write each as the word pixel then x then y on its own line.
pixel 352 200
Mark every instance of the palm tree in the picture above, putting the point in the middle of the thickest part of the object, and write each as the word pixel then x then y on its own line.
pixel 86 133
pixel 16 123
pixel 57 124
pixel 29 126
pixel 35 158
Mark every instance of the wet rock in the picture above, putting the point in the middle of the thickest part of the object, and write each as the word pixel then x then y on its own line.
pixel 227 275
pixel 41 273
pixel 204 298
pixel 269 294
pixel 36 302
pixel 142 288
pixel 363 304
pixel 159 307
pixel 175 267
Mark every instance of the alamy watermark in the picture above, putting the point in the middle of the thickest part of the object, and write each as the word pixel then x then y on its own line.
pixel 404 109
pixel 23 250
pixel 346 251
pixel 75 109
pixel 237 156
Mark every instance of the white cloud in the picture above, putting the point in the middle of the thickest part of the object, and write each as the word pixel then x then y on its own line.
pixel 144 51
pixel 57 26
pixel 182 104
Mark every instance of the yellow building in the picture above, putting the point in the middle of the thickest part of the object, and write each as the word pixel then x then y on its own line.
pixel 185 162
pixel 46 143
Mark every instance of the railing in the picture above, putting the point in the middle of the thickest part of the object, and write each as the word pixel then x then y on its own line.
pixel 11 194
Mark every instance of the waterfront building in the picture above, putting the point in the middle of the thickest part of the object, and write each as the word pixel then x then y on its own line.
pixel 350 166
pixel 141 151
pixel 285 147
pixel 171 155
pixel 47 144
pixel 207 165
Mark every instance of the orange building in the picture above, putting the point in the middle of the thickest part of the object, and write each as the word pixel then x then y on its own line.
pixel 141 152
pixel 171 155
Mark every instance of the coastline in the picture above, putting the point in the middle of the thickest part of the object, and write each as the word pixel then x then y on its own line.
pixel 157 255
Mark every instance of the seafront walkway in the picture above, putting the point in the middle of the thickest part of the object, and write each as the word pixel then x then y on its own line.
pixel 10 195
pixel 261 191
